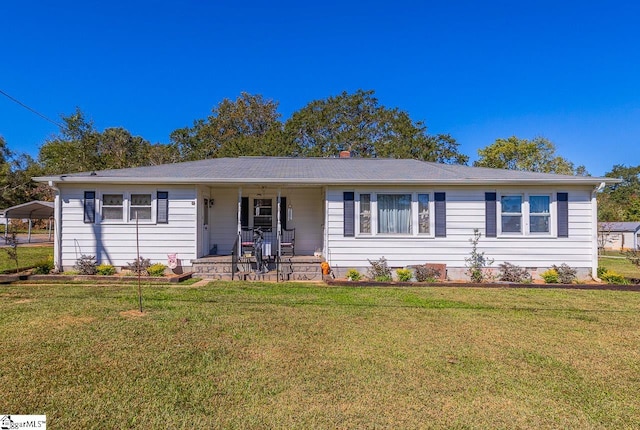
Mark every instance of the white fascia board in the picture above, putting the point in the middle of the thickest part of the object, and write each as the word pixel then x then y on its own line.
pixel 320 181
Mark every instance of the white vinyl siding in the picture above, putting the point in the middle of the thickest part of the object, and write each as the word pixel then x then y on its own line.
pixel 466 212
pixel 115 242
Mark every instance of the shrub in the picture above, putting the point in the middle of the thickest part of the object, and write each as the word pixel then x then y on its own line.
pixel 139 266
pixel 379 270
pixel 550 276
pixel 86 265
pixel 404 275
pixel 512 273
pixel 601 271
pixel 105 270
pixel 156 269
pixel 353 275
pixel 613 278
pixel 566 275
pixel 476 262
pixel 43 267
pixel 427 274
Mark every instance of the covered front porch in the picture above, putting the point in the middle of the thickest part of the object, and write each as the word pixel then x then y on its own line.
pixel 277 221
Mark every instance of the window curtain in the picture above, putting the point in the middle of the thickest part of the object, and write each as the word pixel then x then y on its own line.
pixel 394 213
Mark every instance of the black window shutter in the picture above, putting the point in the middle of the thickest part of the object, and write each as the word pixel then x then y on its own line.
pixel 441 214
pixel 490 219
pixel 162 215
pixel 283 213
pixel 563 214
pixel 89 207
pixel 349 214
pixel 244 212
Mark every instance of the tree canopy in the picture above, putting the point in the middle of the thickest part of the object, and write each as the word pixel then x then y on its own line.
pixel 358 123
pixel 536 155
pixel 249 125
pixel 79 147
pixel 621 202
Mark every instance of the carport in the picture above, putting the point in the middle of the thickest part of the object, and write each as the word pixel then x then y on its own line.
pixel 32 210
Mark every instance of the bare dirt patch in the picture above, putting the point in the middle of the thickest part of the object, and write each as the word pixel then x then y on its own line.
pixel 68 320
pixel 133 313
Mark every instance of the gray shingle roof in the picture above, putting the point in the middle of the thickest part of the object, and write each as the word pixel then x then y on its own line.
pixel 316 171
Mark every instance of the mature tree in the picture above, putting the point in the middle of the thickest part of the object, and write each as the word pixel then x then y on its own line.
pixel 621 202
pixel 536 155
pixel 118 149
pixel 74 149
pixel 79 147
pixel 16 171
pixel 358 123
pixel 249 125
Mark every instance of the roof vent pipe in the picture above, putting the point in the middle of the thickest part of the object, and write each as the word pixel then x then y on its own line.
pixel 345 154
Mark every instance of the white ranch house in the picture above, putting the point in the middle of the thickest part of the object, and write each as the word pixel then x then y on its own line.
pixel 351 210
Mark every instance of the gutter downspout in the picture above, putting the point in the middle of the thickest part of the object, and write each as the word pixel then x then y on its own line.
pixel 594 239
pixel 57 239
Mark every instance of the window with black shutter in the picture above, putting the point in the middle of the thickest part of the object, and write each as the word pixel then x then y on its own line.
pixel 349 213
pixel 563 214
pixel 440 214
pixel 491 229
pixel 89 207
pixel 162 213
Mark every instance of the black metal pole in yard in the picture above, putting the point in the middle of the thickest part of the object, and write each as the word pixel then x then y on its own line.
pixel 138 263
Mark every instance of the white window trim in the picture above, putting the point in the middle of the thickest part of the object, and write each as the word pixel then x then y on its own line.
pixel 525 213
pixel 126 205
pixel 414 215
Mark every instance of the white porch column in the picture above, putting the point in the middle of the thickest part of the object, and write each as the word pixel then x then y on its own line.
pixel 279 221
pixel 239 250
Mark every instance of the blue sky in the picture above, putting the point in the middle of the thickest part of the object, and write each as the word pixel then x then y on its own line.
pixel 568 71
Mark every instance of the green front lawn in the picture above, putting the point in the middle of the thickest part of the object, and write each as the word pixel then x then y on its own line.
pixel 28 256
pixel 306 356
pixel 619 264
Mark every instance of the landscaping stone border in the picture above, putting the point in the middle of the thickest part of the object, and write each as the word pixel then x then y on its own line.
pixel 102 278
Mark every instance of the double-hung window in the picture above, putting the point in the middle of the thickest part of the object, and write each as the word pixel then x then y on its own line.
pixel 394 213
pixel 365 213
pixel 424 222
pixel 112 207
pixel 140 207
pixel 511 214
pixel 525 214
pixel 539 214
pixel 126 207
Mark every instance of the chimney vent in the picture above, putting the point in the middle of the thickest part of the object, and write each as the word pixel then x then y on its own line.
pixel 345 154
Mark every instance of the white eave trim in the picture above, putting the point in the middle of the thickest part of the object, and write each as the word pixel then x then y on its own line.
pixel 322 181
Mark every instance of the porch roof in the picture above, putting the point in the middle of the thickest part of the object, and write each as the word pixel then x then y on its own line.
pixel 317 171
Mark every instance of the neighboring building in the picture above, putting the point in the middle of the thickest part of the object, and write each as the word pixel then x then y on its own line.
pixel 619 235
pixel 351 209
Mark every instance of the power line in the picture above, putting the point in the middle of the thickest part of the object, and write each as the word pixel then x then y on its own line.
pixel 32 110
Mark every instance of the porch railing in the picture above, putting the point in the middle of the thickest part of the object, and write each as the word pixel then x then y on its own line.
pixel 235 253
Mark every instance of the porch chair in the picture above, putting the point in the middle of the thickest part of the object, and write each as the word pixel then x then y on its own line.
pixel 287 242
pixel 246 240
